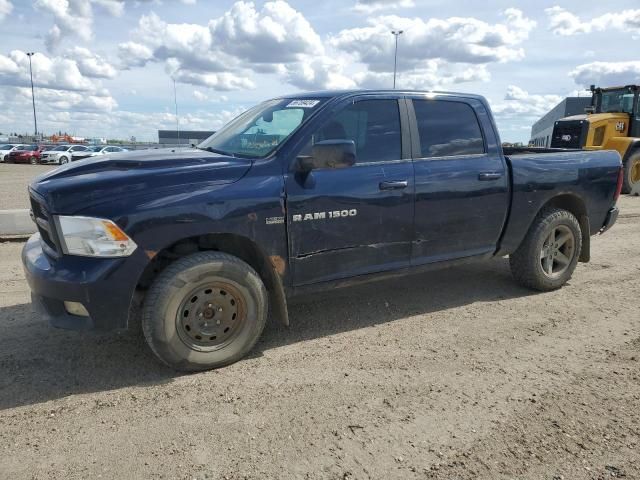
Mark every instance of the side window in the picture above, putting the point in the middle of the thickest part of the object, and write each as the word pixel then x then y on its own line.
pixel 374 126
pixel 447 128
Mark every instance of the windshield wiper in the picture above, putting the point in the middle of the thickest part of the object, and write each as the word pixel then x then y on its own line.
pixel 215 150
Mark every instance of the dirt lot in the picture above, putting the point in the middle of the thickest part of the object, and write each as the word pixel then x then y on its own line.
pixel 13 184
pixel 454 375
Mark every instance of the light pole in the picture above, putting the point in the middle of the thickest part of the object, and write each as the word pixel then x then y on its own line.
pixel 175 101
pixel 33 97
pixel 396 33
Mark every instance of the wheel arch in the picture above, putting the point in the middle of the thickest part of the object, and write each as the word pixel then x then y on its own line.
pixel 267 267
pixel 574 204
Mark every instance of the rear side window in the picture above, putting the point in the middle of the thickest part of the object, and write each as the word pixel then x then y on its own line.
pixel 447 128
pixel 374 126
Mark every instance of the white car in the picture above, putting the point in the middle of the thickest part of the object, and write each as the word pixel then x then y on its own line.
pixel 62 154
pixel 6 149
pixel 98 150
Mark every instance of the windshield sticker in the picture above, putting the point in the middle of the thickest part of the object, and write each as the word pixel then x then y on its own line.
pixel 303 103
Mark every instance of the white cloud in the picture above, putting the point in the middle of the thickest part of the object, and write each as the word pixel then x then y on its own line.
pixel 607 73
pixel 435 75
pixel 134 54
pixel 456 39
pixel 224 81
pixel 276 39
pixel 563 22
pixel 275 34
pixel 5 9
pixel 519 104
pixel 204 97
pixel 369 6
pixel 48 72
pixel 320 72
pixel 91 64
pixel 224 53
pixel 74 18
pixel 91 116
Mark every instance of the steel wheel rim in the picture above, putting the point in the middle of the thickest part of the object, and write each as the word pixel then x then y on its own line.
pixel 558 251
pixel 211 316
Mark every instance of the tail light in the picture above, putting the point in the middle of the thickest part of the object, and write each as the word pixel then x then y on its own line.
pixel 619 185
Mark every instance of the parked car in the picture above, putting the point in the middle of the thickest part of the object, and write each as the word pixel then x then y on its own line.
pixel 6 149
pixel 97 151
pixel 301 193
pixel 24 154
pixel 62 153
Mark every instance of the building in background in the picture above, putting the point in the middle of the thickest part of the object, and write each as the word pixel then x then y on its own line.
pixel 542 130
pixel 184 137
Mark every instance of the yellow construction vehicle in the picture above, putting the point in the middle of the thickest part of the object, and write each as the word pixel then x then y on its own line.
pixel 612 122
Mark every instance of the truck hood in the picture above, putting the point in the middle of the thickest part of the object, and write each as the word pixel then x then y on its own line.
pixel 84 183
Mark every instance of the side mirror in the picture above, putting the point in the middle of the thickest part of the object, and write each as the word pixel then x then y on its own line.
pixel 329 154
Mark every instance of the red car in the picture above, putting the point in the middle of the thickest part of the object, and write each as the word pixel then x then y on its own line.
pixel 25 154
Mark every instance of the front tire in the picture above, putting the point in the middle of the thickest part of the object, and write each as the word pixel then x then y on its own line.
pixel 63 160
pixel 204 311
pixel 549 253
pixel 33 160
pixel 631 175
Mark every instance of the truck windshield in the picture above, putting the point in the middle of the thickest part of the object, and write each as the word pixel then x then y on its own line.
pixel 617 101
pixel 260 130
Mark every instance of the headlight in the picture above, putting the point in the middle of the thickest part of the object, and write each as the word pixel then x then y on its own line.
pixel 93 237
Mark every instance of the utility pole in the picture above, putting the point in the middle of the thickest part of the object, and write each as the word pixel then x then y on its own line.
pixel 175 101
pixel 33 97
pixel 396 33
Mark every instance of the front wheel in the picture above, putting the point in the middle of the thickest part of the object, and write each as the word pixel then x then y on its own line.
pixel 631 175
pixel 549 253
pixel 204 311
pixel 33 160
pixel 63 160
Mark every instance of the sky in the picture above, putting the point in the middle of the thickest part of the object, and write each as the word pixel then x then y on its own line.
pixel 105 68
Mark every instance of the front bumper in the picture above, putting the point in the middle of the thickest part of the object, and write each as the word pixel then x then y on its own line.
pixel 610 219
pixel 104 287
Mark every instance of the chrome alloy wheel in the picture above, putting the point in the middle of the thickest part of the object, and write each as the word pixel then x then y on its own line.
pixel 558 251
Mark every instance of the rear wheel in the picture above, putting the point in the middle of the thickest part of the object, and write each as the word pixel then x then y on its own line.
pixel 549 253
pixel 631 178
pixel 204 311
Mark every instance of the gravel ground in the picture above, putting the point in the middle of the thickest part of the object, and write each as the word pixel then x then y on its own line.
pixel 455 375
pixel 14 180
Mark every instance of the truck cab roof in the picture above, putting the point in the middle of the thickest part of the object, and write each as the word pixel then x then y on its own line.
pixel 350 92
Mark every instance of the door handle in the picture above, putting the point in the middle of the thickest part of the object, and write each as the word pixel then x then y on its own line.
pixel 488 176
pixel 394 185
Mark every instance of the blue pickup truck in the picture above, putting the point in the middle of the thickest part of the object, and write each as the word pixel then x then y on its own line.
pixel 303 192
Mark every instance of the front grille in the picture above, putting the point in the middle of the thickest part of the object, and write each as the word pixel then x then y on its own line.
pixel 44 222
pixel 569 134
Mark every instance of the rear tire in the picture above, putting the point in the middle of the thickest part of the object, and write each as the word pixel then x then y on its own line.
pixel 204 311
pixel 549 253
pixel 631 175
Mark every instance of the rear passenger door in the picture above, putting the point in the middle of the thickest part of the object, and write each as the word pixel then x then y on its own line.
pixel 462 186
pixel 355 220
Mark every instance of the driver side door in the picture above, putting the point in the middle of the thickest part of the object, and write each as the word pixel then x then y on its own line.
pixel 355 220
